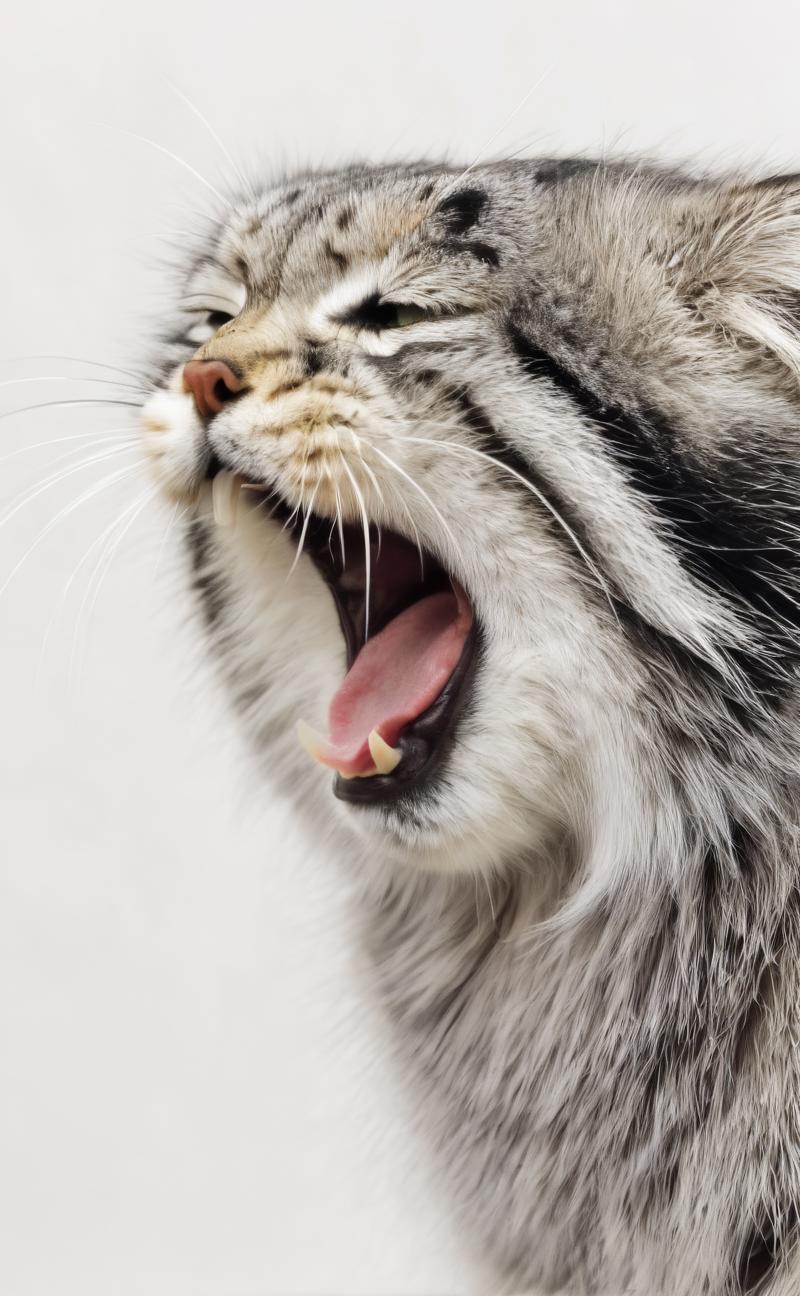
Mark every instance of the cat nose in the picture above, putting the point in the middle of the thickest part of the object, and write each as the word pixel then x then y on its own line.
pixel 212 384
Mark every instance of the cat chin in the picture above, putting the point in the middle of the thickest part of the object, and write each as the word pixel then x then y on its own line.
pixel 395 842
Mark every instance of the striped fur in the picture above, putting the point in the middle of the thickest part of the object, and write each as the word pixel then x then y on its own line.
pixel 587 932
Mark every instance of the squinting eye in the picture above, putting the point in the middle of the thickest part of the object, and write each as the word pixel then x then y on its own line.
pixel 217 318
pixel 376 314
pixel 207 324
pixel 404 313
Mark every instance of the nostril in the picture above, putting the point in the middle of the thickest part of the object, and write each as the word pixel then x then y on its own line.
pixel 212 383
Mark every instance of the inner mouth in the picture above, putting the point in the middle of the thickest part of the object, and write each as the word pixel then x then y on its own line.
pixel 410 652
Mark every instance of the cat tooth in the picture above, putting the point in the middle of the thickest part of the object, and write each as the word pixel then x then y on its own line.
pixel 386 758
pixel 314 744
pixel 311 740
pixel 225 497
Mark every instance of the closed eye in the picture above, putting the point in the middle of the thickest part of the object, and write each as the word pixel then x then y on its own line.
pixel 377 314
pixel 209 319
pixel 216 318
pixel 213 300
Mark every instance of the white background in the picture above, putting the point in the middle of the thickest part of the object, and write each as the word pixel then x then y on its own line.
pixel 194 1097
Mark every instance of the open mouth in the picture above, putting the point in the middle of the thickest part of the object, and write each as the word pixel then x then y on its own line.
pixel 410 641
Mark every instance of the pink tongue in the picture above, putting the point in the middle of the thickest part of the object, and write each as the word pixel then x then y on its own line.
pixel 395 677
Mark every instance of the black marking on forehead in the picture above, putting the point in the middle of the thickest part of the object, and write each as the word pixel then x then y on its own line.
pixel 463 209
pixel 731 539
pixel 427 377
pixel 313 357
pixel 482 252
pixel 294 228
pixel 339 259
pixel 345 218
pixel 557 169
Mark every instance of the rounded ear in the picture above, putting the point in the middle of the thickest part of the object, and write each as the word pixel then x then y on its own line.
pixel 737 261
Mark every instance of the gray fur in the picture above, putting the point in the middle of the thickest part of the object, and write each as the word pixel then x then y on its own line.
pixel 587 932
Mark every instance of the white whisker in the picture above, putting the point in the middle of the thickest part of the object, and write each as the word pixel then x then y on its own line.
pixel 307 518
pixel 413 526
pixel 295 513
pixel 418 488
pixel 178 512
pixel 62 404
pixel 65 512
pixel 340 524
pixel 73 378
pixel 55 479
pixel 104 564
pixel 365 465
pixel 96 541
pixel 291 519
pixel 121 444
pixel 94 364
pixel 173 156
pixel 496 135
pixel 539 495
pixel 489 897
pixel 248 188
pixel 88 438
pixel 367 548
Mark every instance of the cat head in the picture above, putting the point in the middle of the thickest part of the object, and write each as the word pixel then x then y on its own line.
pixel 489 482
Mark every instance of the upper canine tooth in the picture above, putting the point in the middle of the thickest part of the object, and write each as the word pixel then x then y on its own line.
pixel 225 497
pixel 313 743
pixel 386 758
pixel 311 740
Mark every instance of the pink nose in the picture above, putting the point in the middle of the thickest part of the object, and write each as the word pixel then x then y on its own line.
pixel 212 384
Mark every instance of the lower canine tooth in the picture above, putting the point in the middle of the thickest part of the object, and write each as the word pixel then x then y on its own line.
pixel 386 758
pixel 225 497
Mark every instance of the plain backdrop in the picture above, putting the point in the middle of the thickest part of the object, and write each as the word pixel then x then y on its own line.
pixel 195 1097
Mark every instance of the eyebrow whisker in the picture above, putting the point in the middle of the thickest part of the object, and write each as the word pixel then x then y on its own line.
pixel 496 134
pixel 240 176
pixel 160 148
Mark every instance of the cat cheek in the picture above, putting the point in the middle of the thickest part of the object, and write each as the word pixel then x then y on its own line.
pixel 172 439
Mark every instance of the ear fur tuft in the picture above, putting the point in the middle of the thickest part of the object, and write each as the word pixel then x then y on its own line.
pixel 738 262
